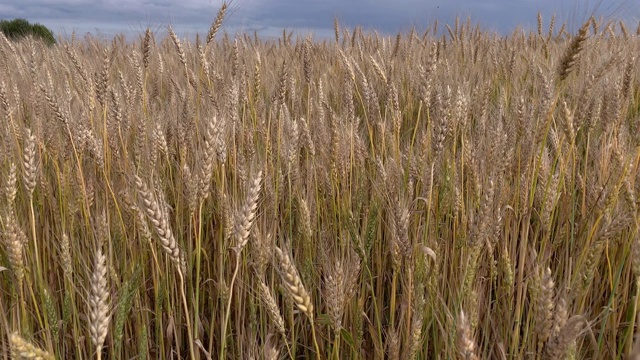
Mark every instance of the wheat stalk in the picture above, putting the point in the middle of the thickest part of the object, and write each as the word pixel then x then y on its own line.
pixel 242 232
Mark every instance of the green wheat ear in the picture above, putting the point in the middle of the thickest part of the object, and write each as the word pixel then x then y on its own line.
pixel 143 345
pixel 52 313
pixel 67 309
pixel 125 303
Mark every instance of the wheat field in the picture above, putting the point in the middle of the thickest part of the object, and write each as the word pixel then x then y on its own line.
pixel 448 193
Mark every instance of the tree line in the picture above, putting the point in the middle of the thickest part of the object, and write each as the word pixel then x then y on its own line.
pixel 19 28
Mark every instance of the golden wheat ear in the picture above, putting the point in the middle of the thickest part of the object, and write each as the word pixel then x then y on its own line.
pixel 293 283
pixel 160 220
pixel 272 307
pixel 21 349
pixel 98 302
pixel 635 352
pixel 568 60
pixel 467 347
pixel 557 346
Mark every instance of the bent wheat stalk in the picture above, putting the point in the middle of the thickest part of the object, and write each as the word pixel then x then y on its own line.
pixel 244 223
pixel 160 222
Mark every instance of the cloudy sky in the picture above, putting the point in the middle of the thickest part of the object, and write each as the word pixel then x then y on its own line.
pixel 269 17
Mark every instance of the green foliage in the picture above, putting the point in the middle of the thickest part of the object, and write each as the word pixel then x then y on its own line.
pixel 18 28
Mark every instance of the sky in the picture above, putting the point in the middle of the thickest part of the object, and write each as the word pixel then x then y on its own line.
pixel 269 17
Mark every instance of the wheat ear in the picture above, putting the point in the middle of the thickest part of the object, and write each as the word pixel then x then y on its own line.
pixel 544 306
pixel 571 54
pixel 247 213
pixel 29 161
pixel 243 229
pixel 635 351
pixel 466 343
pixel 160 223
pixel 10 185
pixel 558 345
pixel 217 23
pixel 98 302
pixel 293 283
pixel 22 349
pixel 13 248
pixel 296 289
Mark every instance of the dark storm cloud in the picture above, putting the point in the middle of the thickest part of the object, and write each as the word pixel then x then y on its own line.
pixel 270 16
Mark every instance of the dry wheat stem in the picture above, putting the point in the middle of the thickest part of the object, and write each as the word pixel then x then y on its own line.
pixel 243 230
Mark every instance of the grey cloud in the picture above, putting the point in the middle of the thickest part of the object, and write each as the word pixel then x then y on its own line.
pixel 270 16
pixel 388 17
